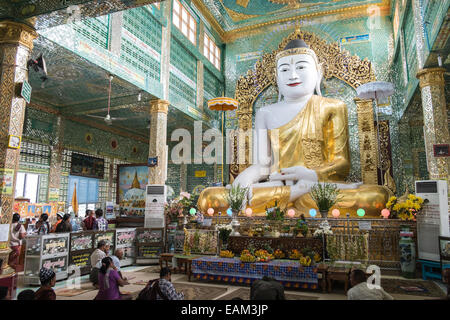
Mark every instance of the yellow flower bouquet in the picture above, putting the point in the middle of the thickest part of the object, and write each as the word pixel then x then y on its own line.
pixel 406 209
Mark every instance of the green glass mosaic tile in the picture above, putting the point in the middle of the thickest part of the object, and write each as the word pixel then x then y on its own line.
pixel 183 60
pixel 180 92
pixel 95 30
pixel 144 26
pixel 135 57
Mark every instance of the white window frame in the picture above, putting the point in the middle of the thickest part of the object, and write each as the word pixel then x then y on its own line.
pixel 211 51
pixel 184 21
pixel 22 193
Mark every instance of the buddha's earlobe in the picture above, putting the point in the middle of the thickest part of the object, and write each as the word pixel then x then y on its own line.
pixel 319 80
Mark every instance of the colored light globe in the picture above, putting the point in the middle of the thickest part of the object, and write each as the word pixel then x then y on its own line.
pixel 229 212
pixel 360 212
pixel 335 213
pixel 312 212
pixel 192 211
pixel 385 213
pixel 248 212
pixel 210 211
pixel 291 213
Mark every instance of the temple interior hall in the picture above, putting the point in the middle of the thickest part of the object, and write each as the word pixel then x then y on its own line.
pixel 224 150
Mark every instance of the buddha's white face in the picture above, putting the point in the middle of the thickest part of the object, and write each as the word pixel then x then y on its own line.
pixel 296 76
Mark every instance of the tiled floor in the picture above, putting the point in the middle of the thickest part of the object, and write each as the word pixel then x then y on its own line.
pixel 131 272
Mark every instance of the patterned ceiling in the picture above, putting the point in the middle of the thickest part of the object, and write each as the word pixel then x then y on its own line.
pixel 50 13
pixel 236 14
pixel 76 87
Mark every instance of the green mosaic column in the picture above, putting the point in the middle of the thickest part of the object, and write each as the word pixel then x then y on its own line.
pixel 111 180
pixel 158 140
pixel 419 33
pixel 435 124
pixel 16 43
pixel 54 177
pixel 200 71
pixel 183 177
pixel 165 48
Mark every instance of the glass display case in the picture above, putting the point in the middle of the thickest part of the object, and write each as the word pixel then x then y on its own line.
pixel 149 244
pixel 125 240
pixel 49 251
pixel 81 248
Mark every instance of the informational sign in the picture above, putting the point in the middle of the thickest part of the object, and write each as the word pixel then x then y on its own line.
pixel 149 252
pixel 110 211
pixel 155 198
pixel 4 232
pixel 200 173
pixel 6 180
pixel 152 162
pixel 365 225
pixel 26 91
pixel 80 259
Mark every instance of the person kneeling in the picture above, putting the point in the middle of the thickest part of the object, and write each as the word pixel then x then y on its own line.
pixel 109 281
pixel 267 289
pixel 160 289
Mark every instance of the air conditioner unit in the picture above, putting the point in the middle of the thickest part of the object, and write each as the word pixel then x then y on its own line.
pixel 155 199
pixel 433 221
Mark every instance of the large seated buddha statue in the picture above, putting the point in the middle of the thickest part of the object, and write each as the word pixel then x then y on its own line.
pixel 299 141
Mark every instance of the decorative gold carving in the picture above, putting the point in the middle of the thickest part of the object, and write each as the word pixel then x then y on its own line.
pixel 293 51
pixel 346 13
pixel 13 32
pixel 159 106
pixel 431 77
pixel 242 3
pixel 335 63
pixel 238 16
pixel 367 141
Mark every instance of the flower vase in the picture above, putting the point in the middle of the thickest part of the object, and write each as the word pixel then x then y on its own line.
pixel 324 213
pixel 235 224
pixel 407 252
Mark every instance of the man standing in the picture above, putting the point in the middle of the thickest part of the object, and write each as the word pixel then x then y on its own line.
pixel 361 291
pixel 89 222
pixel 96 260
pixel 101 223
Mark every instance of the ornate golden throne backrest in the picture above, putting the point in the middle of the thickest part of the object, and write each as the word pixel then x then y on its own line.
pixel 335 62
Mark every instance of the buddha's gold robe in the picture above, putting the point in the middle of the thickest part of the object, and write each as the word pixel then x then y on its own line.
pixel 317 138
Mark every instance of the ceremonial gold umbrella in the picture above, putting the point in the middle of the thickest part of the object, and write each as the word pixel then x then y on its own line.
pixel 223 104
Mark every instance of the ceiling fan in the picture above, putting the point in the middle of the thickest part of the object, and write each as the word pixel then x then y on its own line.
pixel 108 119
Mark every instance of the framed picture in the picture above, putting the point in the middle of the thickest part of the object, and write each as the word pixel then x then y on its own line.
pixel 87 166
pixel 444 248
pixel 131 182
pixel 14 142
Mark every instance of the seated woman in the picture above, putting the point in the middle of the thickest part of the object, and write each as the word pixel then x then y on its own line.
pixel 109 281
pixel 48 280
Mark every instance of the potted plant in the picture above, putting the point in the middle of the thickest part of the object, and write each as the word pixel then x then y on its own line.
pixel 224 233
pixel 325 195
pixel 275 216
pixel 236 198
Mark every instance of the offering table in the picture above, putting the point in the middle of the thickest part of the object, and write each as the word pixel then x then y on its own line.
pixel 290 274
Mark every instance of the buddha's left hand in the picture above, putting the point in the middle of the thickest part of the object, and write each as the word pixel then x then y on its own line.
pixel 295 174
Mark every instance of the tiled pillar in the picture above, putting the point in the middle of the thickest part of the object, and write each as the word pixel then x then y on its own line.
pixel 200 71
pixel 435 124
pixel 183 177
pixel 54 177
pixel 111 180
pixel 419 33
pixel 165 48
pixel 16 43
pixel 368 148
pixel 158 140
